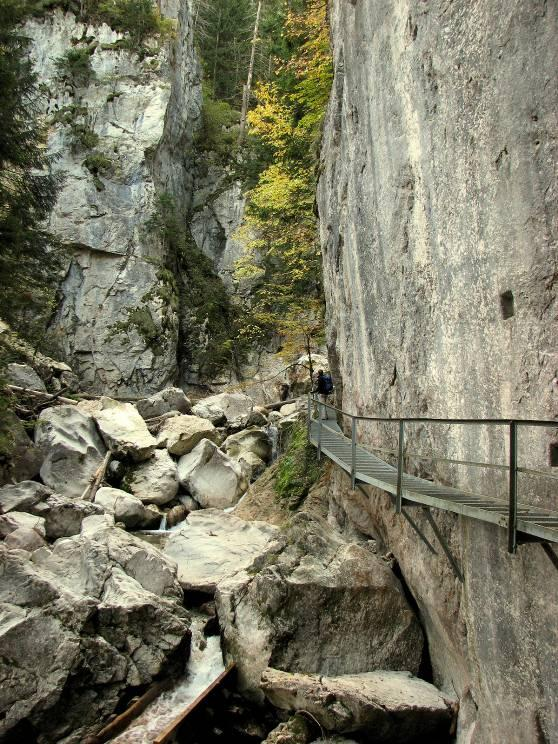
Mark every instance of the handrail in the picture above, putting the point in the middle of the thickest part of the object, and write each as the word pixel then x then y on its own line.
pixel 513 468
pixel 426 420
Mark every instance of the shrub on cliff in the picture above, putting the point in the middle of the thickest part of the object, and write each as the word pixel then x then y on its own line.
pixel 298 469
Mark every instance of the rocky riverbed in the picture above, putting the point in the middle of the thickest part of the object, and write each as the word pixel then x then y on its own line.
pixel 127 519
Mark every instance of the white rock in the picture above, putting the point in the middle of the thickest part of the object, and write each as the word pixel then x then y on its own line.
pixel 212 478
pixel 236 407
pixel 212 546
pixel 14 520
pixel 24 376
pixel 22 496
pixel 210 411
pixel 97 523
pixel 180 434
pixel 155 481
pixel 73 449
pixel 124 431
pixel 125 508
pixel 63 515
pixel 389 706
pixel 253 440
pixel 171 399
pixel 252 465
pixel 24 538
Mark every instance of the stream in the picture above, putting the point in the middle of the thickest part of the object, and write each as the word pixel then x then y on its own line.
pixel 204 665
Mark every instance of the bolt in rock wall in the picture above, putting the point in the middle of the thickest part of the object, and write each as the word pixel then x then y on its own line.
pixel 120 137
pixel 437 204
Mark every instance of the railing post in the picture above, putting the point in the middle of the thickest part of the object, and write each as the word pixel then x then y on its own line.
pixel 353 452
pixel 319 433
pixel 309 415
pixel 399 496
pixel 512 514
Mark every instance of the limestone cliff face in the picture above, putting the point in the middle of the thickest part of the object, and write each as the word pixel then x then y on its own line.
pixel 121 137
pixel 437 205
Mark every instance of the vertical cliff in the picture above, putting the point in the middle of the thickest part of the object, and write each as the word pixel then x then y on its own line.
pixel 437 204
pixel 122 131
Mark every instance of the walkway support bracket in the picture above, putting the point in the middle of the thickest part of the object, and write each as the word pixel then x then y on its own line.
pixel 512 514
pixel 401 449
pixel 445 547
pixel 353 453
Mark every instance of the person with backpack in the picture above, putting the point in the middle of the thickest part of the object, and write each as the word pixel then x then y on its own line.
pixel 324 387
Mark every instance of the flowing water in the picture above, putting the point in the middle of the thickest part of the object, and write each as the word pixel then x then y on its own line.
pixel 273 433
pixel 204 666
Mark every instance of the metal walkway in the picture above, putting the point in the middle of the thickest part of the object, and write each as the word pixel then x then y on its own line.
pixel 523 523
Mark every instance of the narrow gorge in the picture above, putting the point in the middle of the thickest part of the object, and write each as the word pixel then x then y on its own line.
pixel 207 205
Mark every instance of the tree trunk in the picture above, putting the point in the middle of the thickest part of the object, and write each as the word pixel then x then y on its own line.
pixel 248 87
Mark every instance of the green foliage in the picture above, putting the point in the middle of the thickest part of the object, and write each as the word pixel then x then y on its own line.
pixel 29 256
pixel 297 470
pixel 98 164
pixel 68 114
pixel 210 324
pixel 74 67
pixel 284 257
pixel 219 128
pixel 140 19
pixel 83 137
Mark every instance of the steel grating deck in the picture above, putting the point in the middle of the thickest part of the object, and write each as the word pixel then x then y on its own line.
pixel 370 469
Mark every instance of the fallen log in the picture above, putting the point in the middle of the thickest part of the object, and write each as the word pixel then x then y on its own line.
pixel 39 394
pixel 93 487
pixel 122 721
pixel 280 403
pixel 167 732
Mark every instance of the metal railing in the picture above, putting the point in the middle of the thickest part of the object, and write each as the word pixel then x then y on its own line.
pixel 513 469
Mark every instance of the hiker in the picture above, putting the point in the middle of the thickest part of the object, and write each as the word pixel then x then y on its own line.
pixel 324 387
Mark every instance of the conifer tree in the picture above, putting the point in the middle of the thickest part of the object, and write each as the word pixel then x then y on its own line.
pixel 28 255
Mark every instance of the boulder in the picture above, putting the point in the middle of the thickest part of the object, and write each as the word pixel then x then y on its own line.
pixel 391 707
pixel 14 520
pixel 126 508
pixel 80 624
pixel 252 440
pixel 24 376
pixel 182 433
pixel 212 478
pixel 73 449
pixel 251 465
pixel 297 730
pixel 20 459
pixel 64 516
pixel 171 399
pixel 188 502
pixel 176 515
pixel 212 546
pixel 24 538
pixel 124 431
pixel 155 481
pixel 258 417
pixel 22 496
pixel 235 407
pixel 325 606
pixel 211 412
pixel 275 417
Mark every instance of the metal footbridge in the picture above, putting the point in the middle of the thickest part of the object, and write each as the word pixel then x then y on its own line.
pixel 523 523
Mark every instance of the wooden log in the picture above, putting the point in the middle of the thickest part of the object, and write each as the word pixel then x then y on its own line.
pixel 93 487
pixel 167 732
pixel 39 394
pixel 121 722
pixel 279 404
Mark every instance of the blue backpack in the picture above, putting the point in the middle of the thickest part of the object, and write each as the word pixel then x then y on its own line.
pixel 328 384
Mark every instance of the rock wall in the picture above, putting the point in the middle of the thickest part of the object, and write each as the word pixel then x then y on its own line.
pixel 115 322
pixel 437 204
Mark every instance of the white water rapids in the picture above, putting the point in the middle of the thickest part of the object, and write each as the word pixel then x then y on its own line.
pixel 204 666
